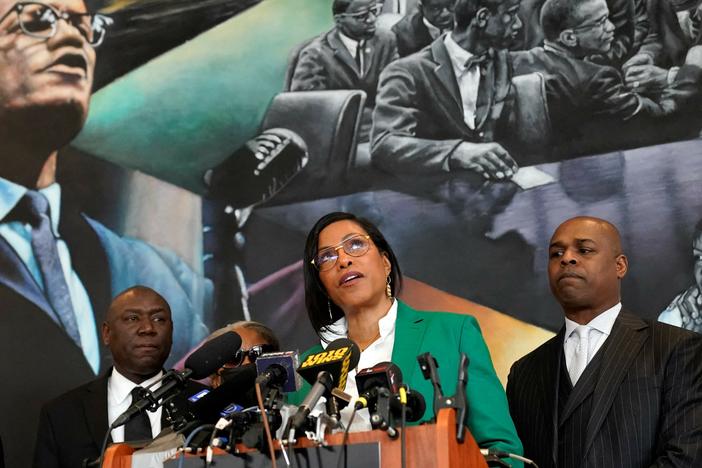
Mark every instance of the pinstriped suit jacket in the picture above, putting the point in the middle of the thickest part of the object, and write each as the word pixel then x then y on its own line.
pixel 646 402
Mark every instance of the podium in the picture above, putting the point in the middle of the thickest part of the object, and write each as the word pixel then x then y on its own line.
pixel 427 446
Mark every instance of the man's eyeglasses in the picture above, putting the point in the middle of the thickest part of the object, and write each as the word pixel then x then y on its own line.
pixel 253 353
pixel 365 14
pixel 41 21
pixel 599 24
pixel 355 246
pixel 436 10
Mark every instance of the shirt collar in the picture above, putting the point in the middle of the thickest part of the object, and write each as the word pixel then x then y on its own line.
pixel 434 32
pixel 11 193
pixel 340 329
pixel 602 323
pixel 557 49
pixel 458 55
pixel 350 44
pixel 120 387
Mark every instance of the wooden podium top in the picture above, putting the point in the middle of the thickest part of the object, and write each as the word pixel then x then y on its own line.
pixel 427 446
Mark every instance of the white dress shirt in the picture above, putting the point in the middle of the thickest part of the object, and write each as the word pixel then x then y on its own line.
pixel 19 236
pixel 352 46
pixel 601 327
pixel 378 351
pixel 468 79
pixel 119 399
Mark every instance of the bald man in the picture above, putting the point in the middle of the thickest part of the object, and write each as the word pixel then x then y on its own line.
pixel 610 389
pixel 138 330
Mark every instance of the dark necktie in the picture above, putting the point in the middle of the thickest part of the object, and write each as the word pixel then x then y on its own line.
pixel 359 56
pixel 34 209
pixel 139 427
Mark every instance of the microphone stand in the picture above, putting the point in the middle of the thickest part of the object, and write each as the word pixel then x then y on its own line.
pixel 457 402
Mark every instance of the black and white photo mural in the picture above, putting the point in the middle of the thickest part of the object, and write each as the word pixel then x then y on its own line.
pixel 190 145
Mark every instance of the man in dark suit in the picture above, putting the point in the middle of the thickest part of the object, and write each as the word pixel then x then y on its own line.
pixel 138 331
pixel 349 56
pixel 629 18
pixel 610 389
pixel 416 31
pixel 580 93
pixel 448 107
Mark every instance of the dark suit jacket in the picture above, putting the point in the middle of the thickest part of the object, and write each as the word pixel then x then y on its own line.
pixel 628 16
pixel 418 118
pixel 72 427
pixel 646 407
pixel 40 360
pixel 584 99
pixel 411 34
pixel 326 63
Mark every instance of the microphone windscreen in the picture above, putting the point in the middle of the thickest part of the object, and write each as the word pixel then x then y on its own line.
pixel 237 387
pixel 416 406
pixel 212 355
pixel 347 343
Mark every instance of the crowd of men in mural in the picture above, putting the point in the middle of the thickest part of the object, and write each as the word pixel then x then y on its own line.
pixel 616 74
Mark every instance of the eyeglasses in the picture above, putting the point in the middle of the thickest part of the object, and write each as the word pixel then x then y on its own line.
pixel 365 14
pixel 253 353
pixel 437 9
pixel 41 21
pixel 599 24
pixel 355 246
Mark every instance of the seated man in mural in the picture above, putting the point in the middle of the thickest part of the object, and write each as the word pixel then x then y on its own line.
pixel 686 308
pixel 447 107
pixel 579 92
pixel 416 31
pixel 629 17
pixel 59 268
pixel 349 56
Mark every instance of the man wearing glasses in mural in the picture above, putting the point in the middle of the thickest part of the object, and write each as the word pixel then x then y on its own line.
pixel 578 90
pixel 58 268
pixel 447 108
pixel 350 56
pixel 416 31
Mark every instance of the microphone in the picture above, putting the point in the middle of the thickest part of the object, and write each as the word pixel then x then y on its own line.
pixel 212 355
pixel 384 374
pixel 258 170
pixel 415 406
pixel 340 356
pixel 388 376
pixel 330 369
pixel 203 362
pixel 278 370
pixel 237 387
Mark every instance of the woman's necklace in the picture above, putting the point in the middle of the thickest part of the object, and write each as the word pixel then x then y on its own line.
pixel 368 343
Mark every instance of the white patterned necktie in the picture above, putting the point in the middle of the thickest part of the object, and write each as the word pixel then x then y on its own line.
pixel 580 358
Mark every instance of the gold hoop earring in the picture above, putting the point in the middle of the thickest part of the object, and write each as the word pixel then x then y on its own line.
pixel 388 289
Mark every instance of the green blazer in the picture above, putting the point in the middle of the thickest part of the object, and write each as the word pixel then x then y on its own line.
pixel 445 336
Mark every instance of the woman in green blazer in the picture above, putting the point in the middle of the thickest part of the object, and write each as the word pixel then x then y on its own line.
pixel 351 279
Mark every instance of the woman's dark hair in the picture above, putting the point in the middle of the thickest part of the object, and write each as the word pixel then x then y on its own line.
pixel 316 297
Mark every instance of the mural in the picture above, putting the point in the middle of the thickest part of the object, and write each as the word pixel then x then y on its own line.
pixel 218 131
